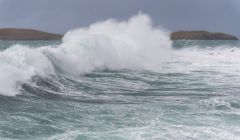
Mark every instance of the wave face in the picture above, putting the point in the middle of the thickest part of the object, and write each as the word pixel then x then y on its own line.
pixel 120 80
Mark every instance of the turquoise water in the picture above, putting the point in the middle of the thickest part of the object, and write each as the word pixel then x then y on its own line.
pixel 193 95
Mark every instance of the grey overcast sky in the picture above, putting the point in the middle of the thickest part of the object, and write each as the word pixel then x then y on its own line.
pixel 61 15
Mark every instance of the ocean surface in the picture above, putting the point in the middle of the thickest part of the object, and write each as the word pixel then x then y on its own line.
pixel 119 81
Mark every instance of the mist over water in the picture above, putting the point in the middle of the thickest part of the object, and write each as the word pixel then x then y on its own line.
pixel 120 80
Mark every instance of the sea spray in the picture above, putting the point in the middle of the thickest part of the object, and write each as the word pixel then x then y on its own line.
pixel 18 64
pixel 110 45
pixel 134 44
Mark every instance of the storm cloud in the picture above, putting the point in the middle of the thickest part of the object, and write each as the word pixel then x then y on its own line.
pixel 61 15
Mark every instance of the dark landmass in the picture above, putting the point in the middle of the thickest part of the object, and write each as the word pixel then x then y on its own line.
pixel 27 34
pixel 201 35
pixel 30 34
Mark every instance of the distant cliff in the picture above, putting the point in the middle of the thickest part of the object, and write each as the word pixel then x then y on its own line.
pixel 26 34
pixel 201 35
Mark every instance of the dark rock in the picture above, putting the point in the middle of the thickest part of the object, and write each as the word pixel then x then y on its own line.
pixel 201 35
pixel 27 34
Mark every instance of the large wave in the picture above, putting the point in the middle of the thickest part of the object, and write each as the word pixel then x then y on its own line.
pixel 133 44
pixel 114 45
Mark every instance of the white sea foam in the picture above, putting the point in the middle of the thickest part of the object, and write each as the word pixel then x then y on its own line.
pixel 18 64
pixel 132 44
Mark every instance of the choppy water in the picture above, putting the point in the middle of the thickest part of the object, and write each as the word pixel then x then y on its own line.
pixel 192 93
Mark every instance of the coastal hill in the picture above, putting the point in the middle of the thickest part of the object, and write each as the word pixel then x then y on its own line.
pixel 201 35
pixel 26 34
pixel 30 34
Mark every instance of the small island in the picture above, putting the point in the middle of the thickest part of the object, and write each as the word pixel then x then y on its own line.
pixel 201 35
pixel 27 34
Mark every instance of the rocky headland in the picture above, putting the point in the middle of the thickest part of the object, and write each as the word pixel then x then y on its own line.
pixel 27 34
pixel 201 35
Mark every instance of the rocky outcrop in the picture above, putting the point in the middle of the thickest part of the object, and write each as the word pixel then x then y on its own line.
pixel 201 35
pixel 26 34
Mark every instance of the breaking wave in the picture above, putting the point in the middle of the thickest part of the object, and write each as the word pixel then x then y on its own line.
pixel 133 44
pixel 109 45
